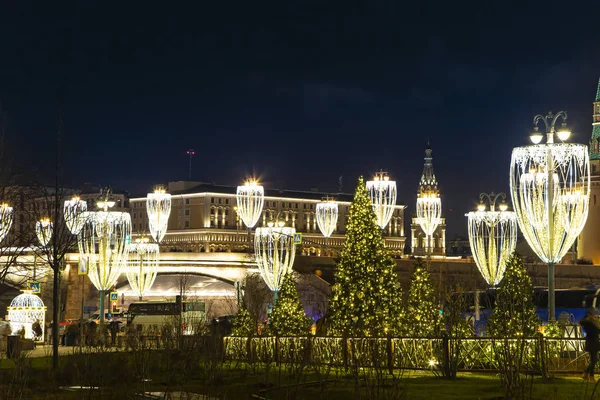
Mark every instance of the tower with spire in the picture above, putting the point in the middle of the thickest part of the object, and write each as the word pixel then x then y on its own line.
pixel 588 246
pixel 428 185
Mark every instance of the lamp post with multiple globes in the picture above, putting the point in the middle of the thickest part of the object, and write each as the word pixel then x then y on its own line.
pixel 550 189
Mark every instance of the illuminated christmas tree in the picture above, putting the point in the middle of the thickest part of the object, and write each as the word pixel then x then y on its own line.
pixel 514 314
pixel 288 317
pixel 243 324
pixel 422 311
pixel 366 297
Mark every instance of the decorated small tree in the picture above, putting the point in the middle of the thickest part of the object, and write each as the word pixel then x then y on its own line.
pixel 243 325
pixel 512 321
pixel 288 317
pixel 422 312
pixel 514 314
pixel 366 299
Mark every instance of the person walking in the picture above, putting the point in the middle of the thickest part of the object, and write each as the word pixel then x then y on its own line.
pixel 591 326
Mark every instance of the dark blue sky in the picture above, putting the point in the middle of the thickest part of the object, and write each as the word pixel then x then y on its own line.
pixel 300 92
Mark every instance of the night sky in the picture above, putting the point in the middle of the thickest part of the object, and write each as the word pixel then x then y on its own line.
pixel 297 92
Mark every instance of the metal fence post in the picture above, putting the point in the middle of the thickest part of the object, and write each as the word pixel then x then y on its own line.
pixel 390 354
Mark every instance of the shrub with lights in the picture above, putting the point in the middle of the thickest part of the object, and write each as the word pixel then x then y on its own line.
pixel 422 312
pixel 514 314
pixel 288 317
pixel 243 324
pixel 366 297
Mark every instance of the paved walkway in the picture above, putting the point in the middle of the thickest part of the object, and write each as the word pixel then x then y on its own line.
pixel 46 350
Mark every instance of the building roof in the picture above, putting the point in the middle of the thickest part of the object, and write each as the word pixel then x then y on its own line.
pixel 598 91
pixel 428 182
pixel 202 187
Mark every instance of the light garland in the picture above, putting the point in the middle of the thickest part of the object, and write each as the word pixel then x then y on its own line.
pixel 275 251
pixel 382 192
pixel 24 311
pixel 158 208
pixel 6 219
pixel 569 165
pixel 250 199
pixel 143 266
pixel 72 210
pixel 327 216
pixel 493 238
pixel 43 231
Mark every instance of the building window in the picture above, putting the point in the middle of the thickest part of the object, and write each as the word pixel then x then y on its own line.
pixel 226 201
pixel 304 206
pixel 187 201
pixel 296 205
pixel 187 212
pixel 212 211
pixel 219 200
pixel 134 215
pixel 212 200
pixel 187 224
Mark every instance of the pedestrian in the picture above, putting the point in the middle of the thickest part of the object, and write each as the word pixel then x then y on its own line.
pixel 591 326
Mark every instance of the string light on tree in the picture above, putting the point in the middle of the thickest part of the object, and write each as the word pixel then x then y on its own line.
pixel 143 266
pixel 43 231
pixel 550 189
pixel 6 219
pixel 492 236
pixel 103 244
pixel 366 297
pixel 275 251
pixel 158 208
pixel 288 318
pixel 382 192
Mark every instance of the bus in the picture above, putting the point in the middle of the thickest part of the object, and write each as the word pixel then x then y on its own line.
pixel 190 314
pixel 570 306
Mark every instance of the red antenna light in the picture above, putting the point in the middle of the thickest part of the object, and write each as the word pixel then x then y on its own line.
pixel 191 153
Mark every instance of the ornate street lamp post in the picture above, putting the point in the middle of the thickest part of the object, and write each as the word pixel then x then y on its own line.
pixel 103 244
pixel 492 236
pixel 158 208
pixel 275 252
pixel 72 211
pixel 143 266
pixel 327 217
pixel 550 189
pixel 250 198
pixel 382 192
pixel 6 219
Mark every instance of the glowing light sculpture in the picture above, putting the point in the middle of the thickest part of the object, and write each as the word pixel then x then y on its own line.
pixel 493 237
pixel 550 189
pixel 158 208
pixel 44 230
pixel 429 215
pixel 25 310
pixel 7 215
pixel 72 211
pixel 383 197
pixel 275 251
pixel 103 244
pixel 327 216
pixel 143 266
pixel 250 199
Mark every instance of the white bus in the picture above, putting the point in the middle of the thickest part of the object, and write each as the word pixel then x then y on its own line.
pixel 190 314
